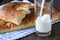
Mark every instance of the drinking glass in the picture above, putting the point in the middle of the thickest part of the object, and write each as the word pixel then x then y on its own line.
pixel 43 17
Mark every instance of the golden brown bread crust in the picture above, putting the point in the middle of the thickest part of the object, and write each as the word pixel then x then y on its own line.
pixel 3 26
pixel 55 14
pixel 16 4
pixel 14 12
pixel 27 22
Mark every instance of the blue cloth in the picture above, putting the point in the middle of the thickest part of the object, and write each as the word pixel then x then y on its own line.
pixel 17 34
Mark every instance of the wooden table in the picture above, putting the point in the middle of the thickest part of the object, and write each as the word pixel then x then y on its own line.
pixel 55 34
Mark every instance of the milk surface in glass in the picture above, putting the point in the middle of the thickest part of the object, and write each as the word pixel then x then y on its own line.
pixel 43 24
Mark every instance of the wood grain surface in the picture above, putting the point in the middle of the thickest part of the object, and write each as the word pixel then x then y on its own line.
pixel 55 34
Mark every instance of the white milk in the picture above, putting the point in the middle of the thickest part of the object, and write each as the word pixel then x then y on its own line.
pixel 43 24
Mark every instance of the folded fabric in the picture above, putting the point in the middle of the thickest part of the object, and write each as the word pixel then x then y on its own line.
pixel 16 34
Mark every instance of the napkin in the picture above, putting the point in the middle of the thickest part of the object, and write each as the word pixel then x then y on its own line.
pixel 17 34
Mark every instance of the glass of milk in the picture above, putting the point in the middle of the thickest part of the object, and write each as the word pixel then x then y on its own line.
pixel 43 20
